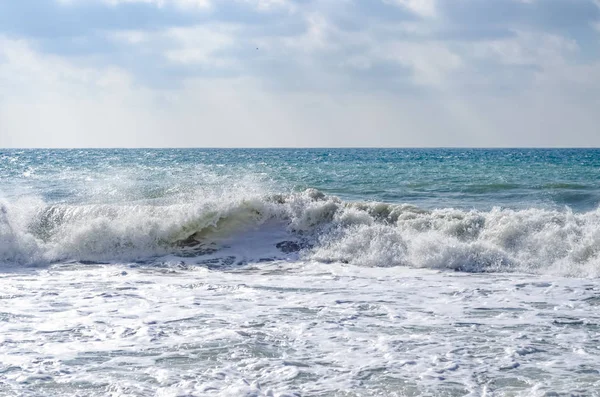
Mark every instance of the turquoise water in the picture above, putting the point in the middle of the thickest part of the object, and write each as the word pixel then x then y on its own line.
pixel 475 210
pixel 429 178
pixel 317 272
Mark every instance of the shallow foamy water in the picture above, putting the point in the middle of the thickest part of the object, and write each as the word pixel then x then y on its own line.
pixel 295 328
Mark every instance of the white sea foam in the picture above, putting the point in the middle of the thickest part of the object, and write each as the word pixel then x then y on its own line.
pixel 320 227
pixel 295 328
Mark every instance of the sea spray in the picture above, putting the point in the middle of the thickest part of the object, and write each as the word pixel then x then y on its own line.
pixel 326 228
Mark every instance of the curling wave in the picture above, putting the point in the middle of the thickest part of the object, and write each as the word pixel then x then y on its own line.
pixel 306 226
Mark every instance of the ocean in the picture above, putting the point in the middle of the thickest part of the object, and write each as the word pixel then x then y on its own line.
pixel 300 272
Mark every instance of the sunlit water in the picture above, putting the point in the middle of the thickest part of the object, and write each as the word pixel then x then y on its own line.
pixel 300 273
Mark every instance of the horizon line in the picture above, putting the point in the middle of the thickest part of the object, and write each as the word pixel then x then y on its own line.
pixel 307 148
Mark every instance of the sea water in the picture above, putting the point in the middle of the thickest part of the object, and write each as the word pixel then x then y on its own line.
pixel 300 272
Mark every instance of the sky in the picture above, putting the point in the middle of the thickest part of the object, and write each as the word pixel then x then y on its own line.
pixel 299 73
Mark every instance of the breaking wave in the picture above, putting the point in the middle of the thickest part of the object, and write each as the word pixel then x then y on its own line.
pixel 304 226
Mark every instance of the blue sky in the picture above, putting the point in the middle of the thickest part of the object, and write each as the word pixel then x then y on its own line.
pixel 264 73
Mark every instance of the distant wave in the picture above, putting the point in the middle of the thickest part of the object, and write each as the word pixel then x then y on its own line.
pixel 304 226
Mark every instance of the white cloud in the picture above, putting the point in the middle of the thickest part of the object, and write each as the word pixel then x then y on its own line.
pixel 198 45
pixel 261 5
pixel 527 48
pixel 431 63
pixel 425 8
pixel 549 64
pixel 343 80
pixel 130 36
pixel 186 4
pixel 320 35
pixel 54 103
pixel 26 68
pixel 193 45
pixel 267 5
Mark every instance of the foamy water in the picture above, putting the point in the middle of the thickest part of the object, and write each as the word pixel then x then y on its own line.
pixel 308 226
pixel 300 328
pixel 300 273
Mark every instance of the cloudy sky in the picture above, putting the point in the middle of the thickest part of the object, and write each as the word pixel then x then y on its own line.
pixel 320 73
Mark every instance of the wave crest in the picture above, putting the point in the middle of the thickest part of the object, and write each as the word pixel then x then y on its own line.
pixel 323 228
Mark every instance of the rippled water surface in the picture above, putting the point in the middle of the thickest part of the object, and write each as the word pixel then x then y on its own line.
pixel 295 329
pixel 314 272
pixel 460 178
